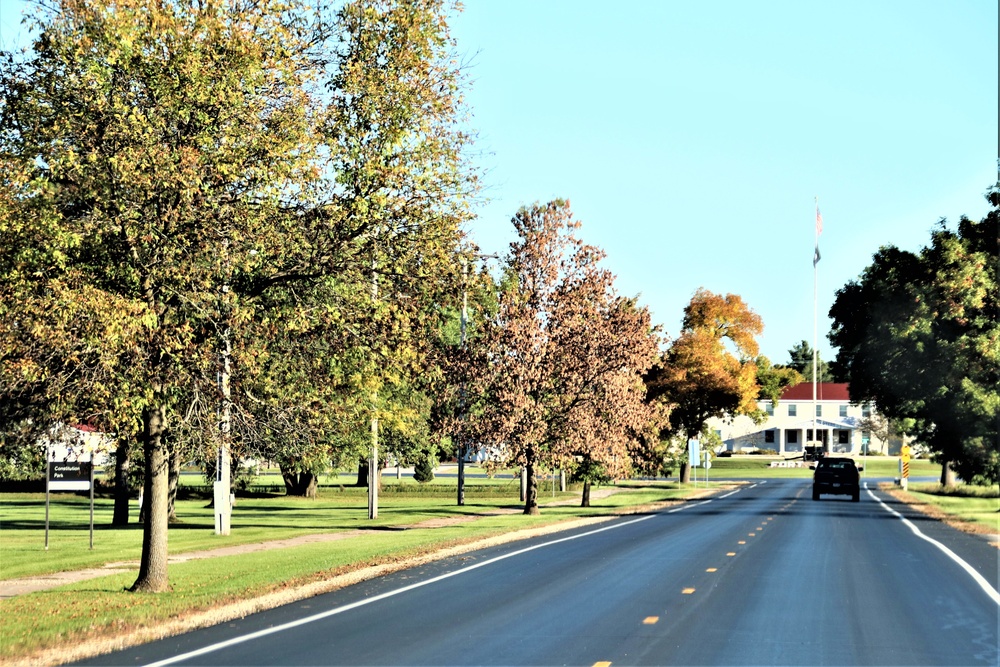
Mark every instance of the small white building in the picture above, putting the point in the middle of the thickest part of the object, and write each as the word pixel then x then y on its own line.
pixel 78 442
pixel 790 425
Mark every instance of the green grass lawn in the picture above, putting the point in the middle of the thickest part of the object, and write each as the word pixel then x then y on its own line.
pixel 976 504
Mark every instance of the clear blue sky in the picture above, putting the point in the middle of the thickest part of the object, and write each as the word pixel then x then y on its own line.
pixel 692 137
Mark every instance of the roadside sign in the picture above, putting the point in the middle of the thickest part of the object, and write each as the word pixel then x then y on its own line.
pixel 904 453
pixel 694 453
pixel 70 475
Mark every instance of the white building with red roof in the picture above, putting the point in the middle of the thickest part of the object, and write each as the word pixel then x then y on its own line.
pixel 797 421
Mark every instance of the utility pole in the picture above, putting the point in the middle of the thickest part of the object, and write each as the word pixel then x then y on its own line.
pixel 373 463
pixel 223 477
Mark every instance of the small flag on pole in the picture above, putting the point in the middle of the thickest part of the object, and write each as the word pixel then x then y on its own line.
pixel 819 230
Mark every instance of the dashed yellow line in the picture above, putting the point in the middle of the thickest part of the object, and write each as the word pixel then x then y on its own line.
pixel 603 664
pixel 742 542
pixel 752 534
pixel 650 620
pixel 687 591
pixel 731 553
pixel 711 569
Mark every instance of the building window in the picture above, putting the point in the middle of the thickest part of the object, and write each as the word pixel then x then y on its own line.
pixel 769 408
pixel 823 436
pixel 819 410
pixel 769 436
pixel 843 410
pixel 866 410
pixel 792 437
pixel 842 437
pixel 791 410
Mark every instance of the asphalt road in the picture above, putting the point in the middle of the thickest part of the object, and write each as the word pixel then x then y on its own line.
pixel 763 576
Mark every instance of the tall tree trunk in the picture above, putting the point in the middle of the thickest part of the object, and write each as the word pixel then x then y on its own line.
pixel 684 476
pixel 122 464
pixel 153 564
pixel 585 501
pixel 947 474
pixel 173 480
pixel 531 497
pixel 362 473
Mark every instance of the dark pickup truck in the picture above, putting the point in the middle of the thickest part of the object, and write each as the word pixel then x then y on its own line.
pixel 838 476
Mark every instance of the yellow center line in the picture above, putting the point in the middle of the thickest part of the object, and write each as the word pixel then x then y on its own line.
pixel 752 534
pixel 731 553
pixel 711 569
pixel 603 664
pixel 650 620
pixel 687 591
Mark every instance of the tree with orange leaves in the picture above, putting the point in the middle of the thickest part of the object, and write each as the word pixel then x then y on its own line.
pixel 710 370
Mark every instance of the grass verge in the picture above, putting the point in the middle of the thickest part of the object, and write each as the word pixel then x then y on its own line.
pixel 91 617
pixel 972 509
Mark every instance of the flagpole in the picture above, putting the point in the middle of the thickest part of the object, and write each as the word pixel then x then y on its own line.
pixel 816 437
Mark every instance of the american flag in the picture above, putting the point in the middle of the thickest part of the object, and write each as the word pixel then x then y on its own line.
pixel 819 230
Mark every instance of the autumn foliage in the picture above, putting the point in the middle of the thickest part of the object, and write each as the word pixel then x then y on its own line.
pixel 710 370
pixel 558 370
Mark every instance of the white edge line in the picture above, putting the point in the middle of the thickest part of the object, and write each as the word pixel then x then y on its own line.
pixel 978 578
pixel 211 648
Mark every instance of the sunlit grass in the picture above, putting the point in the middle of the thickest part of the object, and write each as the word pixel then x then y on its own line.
pixel 976 504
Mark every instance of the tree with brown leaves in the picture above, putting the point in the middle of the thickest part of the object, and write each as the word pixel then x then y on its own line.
pixel 558 370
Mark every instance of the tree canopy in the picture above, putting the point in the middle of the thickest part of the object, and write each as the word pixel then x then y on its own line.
pixel 711 369
pixel 187 181
pixel 918 335
pixel 557 371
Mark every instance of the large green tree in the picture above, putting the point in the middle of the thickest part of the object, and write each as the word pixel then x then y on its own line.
pixel 918 335
pixel 161 139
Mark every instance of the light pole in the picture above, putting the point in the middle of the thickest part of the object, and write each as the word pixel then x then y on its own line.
pixel 462 449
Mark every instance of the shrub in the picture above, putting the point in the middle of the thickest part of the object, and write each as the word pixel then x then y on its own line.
pixel 424 471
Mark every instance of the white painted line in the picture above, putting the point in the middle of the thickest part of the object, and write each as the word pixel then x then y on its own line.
pixel 978 578
pixel 684 507
pixel 360 603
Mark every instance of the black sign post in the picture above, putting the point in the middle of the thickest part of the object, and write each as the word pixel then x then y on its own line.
pixel 69 476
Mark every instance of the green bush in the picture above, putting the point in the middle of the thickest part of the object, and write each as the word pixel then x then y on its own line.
pixel 423 472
